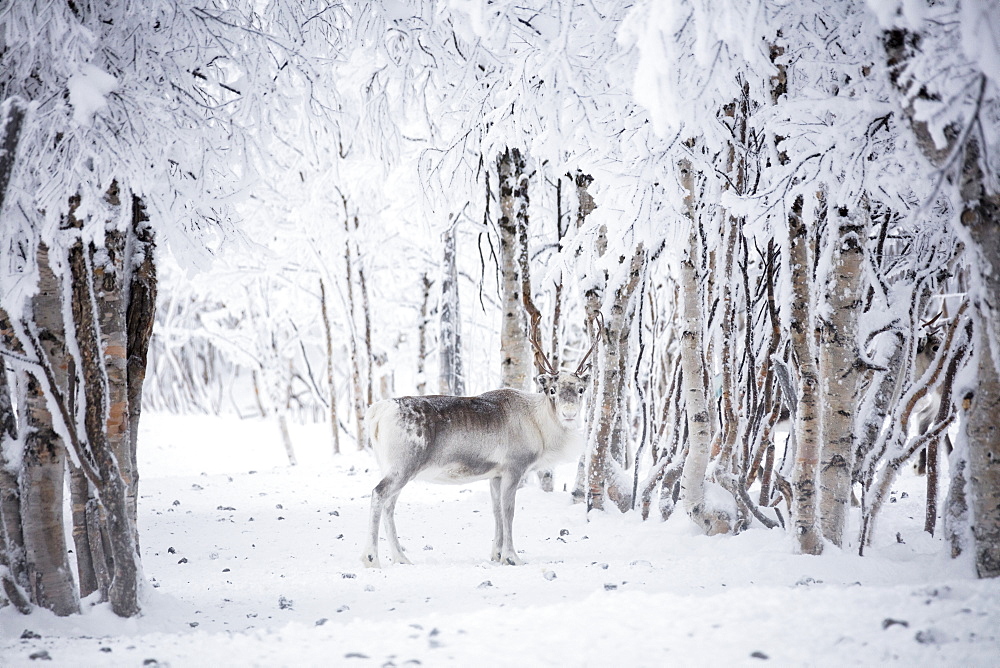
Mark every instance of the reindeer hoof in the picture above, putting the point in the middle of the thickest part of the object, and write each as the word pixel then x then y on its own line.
pixel 370 560
pixel 400 559
pixel 512 560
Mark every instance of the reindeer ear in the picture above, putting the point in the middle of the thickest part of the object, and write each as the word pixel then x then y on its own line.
pixel 544 379
pixel 584 375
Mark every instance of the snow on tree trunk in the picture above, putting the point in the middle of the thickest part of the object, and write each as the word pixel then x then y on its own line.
pixel 515 355
pixel 609 453
pixel 140 316
pixel 839 367
pixel 703 507
pixel 982 220
pixel 450 375
pixel 977 225
pixel 808 434
pixel 110 287
pixel 13 568
pixel 593 296
pixel 112 488
pixel 50 578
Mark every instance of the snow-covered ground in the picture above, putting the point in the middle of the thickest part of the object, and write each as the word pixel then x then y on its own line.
pixel 252 562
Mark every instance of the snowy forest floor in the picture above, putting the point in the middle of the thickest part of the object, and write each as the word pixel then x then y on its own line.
pixel 253 562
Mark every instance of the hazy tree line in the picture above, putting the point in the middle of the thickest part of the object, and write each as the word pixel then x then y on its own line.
pixel 782 217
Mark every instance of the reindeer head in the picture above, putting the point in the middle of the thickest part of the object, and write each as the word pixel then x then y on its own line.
pixel 563 389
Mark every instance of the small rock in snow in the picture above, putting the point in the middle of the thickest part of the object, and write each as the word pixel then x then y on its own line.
pixel 171 550
pixel 427 547
pixel 177 502
pixel 40 656
pixel 193 625
pixel 28 634
pixel 930 637
pixel 355 655
pixel 196 487
pixel 284 603
pixel 549 575
pixel 485 584
pixel 563 532
pixel 183 560
pixel 609 586
pixel 106 650
pixel 321 621
pixel 805 582
pixel 889 621
pixel 348 576
pixel 334 513
pixel 225 508
pixel 759 655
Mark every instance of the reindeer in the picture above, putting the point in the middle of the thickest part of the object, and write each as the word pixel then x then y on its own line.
pixel 499 436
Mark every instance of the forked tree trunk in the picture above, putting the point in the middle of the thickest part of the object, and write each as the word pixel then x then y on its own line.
pixel 839 368
pixel 805 503
pixel 112 492
pixel 515 357
pixel 607 476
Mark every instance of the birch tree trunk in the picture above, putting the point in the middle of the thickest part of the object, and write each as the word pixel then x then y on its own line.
pixel 982 221
pixel 840 369
pixel 698 505
pixel 422 347
pixel 515 357
pixel 451 376
pixel 608 459
pixel 593 297
pixel 113 491
pixel 111 301
pixel 140 316
pixel 330 381
pixel 50 578
pixel 808 436
pixel 13 567
pixel 357 393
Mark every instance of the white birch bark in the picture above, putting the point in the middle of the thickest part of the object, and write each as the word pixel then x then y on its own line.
pixel 839 368
pixel 515 357
pixel 451 377
pixel 808 435
pixel 698 505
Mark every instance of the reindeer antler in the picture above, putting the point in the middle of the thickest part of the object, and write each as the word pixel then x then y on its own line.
pixel 597 319
pixel 541 361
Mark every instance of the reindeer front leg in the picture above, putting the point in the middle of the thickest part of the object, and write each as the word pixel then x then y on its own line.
pixel 497 518
pixel 508 489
